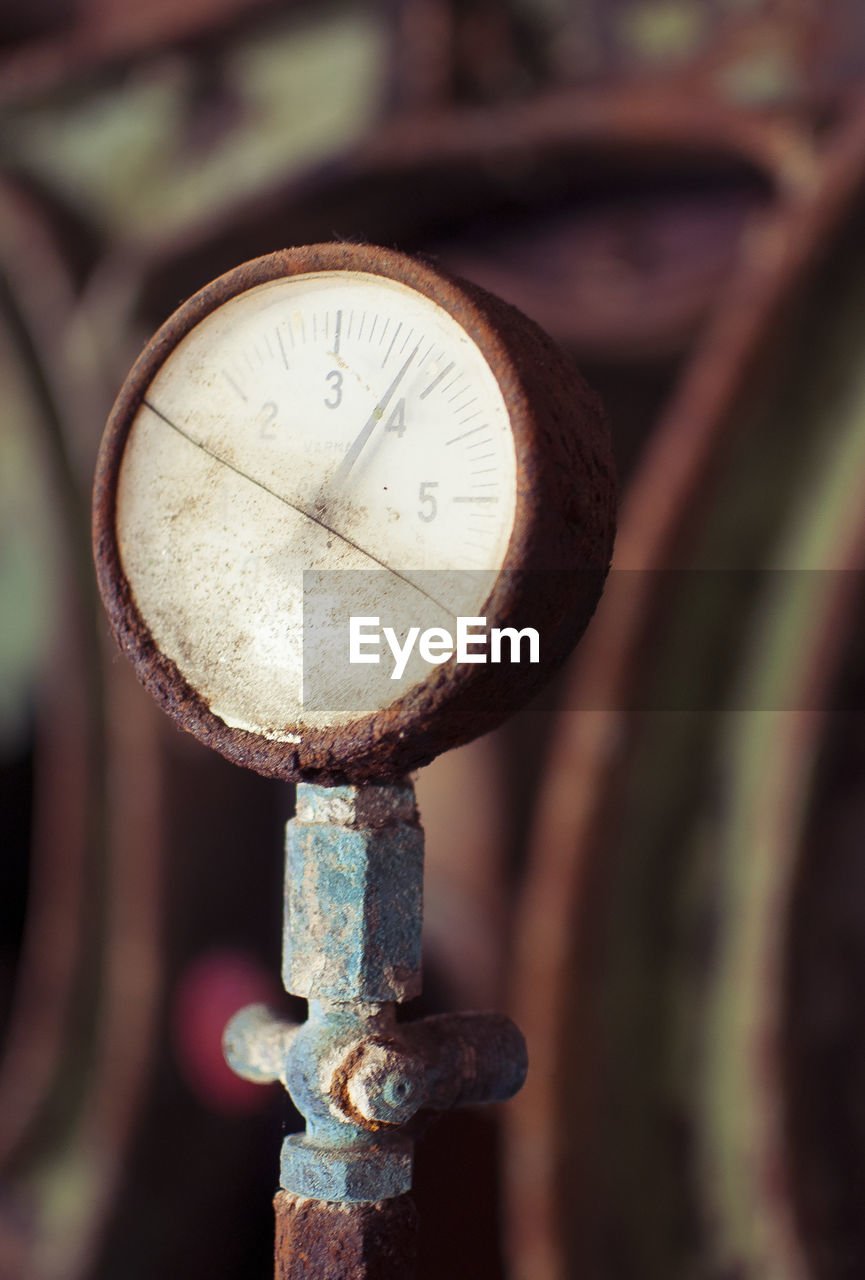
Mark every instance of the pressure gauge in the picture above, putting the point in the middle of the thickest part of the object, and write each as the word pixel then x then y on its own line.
pixel 349 511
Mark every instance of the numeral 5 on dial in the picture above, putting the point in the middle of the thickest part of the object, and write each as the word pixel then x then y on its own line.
pixel 427 499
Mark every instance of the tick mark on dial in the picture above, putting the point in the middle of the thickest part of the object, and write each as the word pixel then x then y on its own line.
pixel 436 380
pixel 466 434
pixel 392 341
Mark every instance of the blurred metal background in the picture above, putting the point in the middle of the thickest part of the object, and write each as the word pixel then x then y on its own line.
pixel 659 869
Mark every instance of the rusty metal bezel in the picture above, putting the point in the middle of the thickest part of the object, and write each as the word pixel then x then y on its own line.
pixel 554 567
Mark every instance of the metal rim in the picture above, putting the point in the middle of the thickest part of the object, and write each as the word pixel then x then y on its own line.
pixel 558 553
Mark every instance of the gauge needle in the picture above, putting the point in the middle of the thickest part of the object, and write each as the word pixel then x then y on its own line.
pixel 369 426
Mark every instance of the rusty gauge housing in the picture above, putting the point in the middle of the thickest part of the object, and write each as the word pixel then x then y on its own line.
pixel 340 431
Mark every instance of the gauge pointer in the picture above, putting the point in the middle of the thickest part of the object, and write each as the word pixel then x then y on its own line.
pixel 369 426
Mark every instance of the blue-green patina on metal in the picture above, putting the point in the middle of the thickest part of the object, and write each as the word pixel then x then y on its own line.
pixel 354 894
pixel 351 946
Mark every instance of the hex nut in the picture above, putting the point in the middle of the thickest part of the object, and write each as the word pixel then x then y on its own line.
pixel 368 1172
pixel 353 911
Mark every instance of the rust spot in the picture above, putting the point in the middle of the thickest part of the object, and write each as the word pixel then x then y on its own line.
pixel 317 1240
pixel 339 1087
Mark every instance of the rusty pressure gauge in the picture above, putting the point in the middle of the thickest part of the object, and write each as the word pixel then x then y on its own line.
pixel 349 512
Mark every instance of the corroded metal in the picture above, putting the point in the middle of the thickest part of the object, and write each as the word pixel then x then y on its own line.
pixel 337 1158
pixel 354 866
pixel 256 1044
pixel 551 577
pixel 319 1241
pixel 353 894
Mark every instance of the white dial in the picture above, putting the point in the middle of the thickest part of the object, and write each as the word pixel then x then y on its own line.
pixel 320 423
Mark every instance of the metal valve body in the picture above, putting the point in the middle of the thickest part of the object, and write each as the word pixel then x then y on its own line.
pixel 351 946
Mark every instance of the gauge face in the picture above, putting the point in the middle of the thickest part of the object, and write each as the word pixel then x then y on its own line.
pixel 348 512
pixel 323 445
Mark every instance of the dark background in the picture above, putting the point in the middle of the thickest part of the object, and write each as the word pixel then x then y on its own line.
pixel 666 889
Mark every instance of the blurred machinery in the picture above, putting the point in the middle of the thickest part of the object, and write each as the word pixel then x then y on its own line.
pixel 657 869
